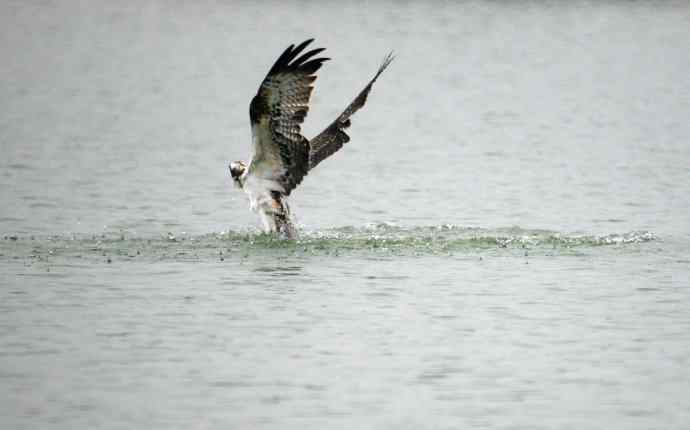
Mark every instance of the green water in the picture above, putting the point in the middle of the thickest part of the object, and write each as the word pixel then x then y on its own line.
pixel 375 240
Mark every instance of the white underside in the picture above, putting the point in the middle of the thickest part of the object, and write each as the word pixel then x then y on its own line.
pixel 259 192
pixel 258 180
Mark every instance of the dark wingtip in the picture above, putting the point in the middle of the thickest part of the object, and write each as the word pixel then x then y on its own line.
pixel 287 61
pixel 308 55
pixel 311 66
pixel 300 47
pixel 283 60
pixel 387 60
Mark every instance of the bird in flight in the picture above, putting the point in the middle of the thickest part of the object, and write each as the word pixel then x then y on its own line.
pixel 282 156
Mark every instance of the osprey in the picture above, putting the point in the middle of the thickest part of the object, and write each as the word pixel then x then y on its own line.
pixel 282 156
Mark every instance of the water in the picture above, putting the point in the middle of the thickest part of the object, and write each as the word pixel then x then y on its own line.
pixel 505 242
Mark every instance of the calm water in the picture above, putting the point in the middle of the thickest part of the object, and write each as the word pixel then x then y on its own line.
pixel 505 242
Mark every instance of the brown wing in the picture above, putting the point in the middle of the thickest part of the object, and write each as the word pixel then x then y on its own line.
pixel 281 153
pixel 334 137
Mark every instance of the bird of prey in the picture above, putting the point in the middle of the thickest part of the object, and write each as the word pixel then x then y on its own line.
pixel 282 156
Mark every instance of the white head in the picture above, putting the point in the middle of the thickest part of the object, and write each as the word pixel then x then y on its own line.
pixel 237 169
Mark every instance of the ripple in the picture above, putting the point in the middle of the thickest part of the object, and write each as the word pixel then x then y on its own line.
pixel 19 166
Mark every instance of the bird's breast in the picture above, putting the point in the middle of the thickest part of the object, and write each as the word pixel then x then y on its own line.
pixel 258 190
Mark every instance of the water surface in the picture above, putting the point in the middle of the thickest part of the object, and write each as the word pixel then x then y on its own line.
pixel 505 242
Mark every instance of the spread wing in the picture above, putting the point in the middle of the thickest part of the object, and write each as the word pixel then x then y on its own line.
pixel 281 153
pixel 334 137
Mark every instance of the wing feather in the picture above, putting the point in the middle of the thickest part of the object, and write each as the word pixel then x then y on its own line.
pixel 276 113
pixel 334 137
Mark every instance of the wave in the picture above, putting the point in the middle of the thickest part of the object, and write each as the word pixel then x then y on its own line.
pixel 378 238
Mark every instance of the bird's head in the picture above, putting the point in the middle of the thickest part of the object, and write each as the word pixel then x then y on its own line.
pixel 237 169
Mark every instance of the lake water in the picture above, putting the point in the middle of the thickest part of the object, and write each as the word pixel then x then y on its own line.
pixel 505 242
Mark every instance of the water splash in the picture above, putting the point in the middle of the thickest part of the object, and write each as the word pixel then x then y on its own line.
pixel 375 238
